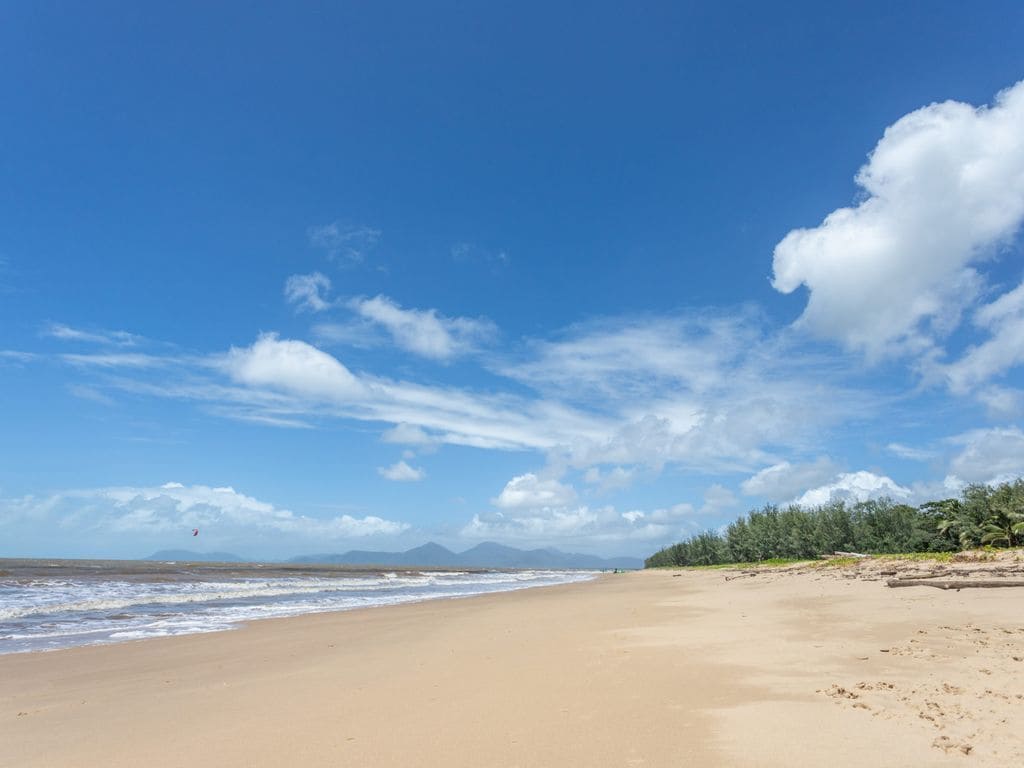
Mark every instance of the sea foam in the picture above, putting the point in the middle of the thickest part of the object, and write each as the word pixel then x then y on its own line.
pixel 85 605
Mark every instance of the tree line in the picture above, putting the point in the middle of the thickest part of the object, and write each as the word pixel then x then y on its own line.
pixel 982 515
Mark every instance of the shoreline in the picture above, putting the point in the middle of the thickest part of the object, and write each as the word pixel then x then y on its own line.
pixel 104 605
pixel 647 668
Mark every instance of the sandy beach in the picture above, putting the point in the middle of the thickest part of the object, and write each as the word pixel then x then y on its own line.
pixel 657 668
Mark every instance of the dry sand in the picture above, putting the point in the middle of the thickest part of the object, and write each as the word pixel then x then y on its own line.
pixel 805 668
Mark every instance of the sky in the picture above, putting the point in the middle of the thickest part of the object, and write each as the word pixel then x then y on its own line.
pixel 321 276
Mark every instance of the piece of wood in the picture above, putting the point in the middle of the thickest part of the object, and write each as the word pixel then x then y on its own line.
pixel 849 554
pixel 955 583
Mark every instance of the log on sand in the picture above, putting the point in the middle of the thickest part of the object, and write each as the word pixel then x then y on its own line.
pixel 955 583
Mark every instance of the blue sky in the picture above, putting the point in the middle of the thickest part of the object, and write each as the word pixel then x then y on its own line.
pixel 363 275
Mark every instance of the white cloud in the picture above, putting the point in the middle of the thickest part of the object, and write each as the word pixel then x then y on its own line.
pixel 1003 319
pixel 784 480
pixel 537 525
pixel 718 499
pixel 583 526
pixel 1002 402
pixel 344 243
pixel 754 392
pixel 408 434
pixel 943 189
pixel 16 357
pixel 292 366
pixel 909 452
pixel 119 360
pixel 308 292
pixel 538 510
pixel 106 518
pixel 361 334
pixel 112 338
pixel 638 356
pixel 425 332
pixel 613 479
pixel 703 391
pixel 854 486
pixel 89 393
pixel 529 491
pixel 988 456
pixel 402 473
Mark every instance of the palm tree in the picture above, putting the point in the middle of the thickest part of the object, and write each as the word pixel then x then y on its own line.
pixel 1005 523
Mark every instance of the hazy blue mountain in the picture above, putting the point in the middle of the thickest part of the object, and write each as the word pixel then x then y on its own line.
pixel 188 555
pixel 489 554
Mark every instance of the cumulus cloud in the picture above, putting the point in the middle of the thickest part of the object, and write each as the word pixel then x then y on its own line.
pixel 344 243
pixel 538 510
pixel 293 366
pixel 943 189
pixel 784 480
pixel 988 456
pixel 105 518
pixel 401 472
pixel 424 332
pixel 581 526
pixel 308 292
pixel 529 491
pixel 854 486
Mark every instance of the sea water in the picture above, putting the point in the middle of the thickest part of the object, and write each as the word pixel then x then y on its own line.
pixel 52 604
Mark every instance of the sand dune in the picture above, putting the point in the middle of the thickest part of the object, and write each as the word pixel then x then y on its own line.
pixel 808 667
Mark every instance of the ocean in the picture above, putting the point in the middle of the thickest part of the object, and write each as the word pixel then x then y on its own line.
pixel 52 604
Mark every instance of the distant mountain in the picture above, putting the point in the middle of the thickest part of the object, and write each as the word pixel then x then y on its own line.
pixel 486 555
pixel 187 555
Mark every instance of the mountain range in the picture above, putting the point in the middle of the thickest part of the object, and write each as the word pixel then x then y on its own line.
pixel 486 555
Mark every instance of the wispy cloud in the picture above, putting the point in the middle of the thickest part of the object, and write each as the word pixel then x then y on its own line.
pixel 119 360
pixel 89 393
pixel 426 333
pixel 909 452
pixel 402 473
pixel 620 406
pixel 110 338
pixel 17 357
pixel 465 252
pixel 344 243
pixel 308 292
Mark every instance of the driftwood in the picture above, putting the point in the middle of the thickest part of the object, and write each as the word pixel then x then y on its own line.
pixel 834 555
pixel 957 584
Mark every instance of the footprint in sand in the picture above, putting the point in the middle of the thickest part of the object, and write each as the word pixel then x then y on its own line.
pixel 946 744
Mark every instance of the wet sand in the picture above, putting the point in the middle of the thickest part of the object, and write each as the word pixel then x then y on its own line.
pixel 663 668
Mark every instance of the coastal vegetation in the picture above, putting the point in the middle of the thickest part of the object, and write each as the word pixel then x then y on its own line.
pixel 981 516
